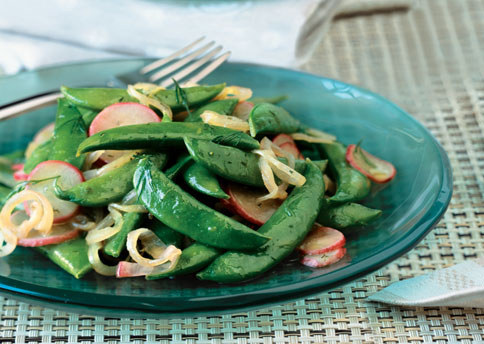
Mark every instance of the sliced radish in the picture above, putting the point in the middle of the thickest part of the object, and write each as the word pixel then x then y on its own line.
pixel 321 240
pixel 69 176
pixel 59 233
pixel 42 136
pixel 117 115
pixel 128 269
pixel 324 259
pixel 242 110
pixel 17 167
pixel 20 175
pixel 243 202
pixel 287 143
pixel 377 170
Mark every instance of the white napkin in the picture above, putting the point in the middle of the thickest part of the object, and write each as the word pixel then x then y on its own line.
pixel 35 33
pixel 461 285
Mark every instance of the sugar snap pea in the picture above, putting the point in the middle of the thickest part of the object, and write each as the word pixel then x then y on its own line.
pixel 70 255
pixel 229 162
pixel 39 154
pixel 182 163
pixel 223 107
pixel 204 181
pixel 99 98
pixel 6 175
pixel 165 233
pixel 115 244
pixel 107 188
pixel 193 258
pixel 347 215
pixel 69 132
pixel 287 227
pixel 164 135
pixel 4 192
pixel 266 118
pixel 180 211
pixel 351 185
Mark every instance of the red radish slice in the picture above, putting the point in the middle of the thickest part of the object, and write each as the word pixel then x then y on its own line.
pixel 127 269
pixel 117 115
pixel 287 143
pixel 17 167
pixel 42 135
pixel 377 170
pixel 242 201
pixel 321 240
pixel 59 233
pixel 20 175
pixel 242 110
pixel 325 259
pixel 69 177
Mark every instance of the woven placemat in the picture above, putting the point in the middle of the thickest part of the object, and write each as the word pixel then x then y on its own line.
pixel 430 61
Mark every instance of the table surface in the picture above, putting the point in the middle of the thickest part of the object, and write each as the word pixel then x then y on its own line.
pixel 430 62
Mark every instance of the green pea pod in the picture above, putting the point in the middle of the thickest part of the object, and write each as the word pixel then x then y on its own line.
pixel 39 154
pixel 70 255
pixel 69 132
pixel 115 244
pixel 107 188
pixel 88 115
pixel 178 167
pixel 230 163
pixel 352 186
pixel 96 98
pixel 6 175
pixel 165 233
pixel 99 98
pixel 180 211
pixel 223 107
pixel 347 215
pixel 271 100
pixel 164 135
pixel 193 258
pixel 203 181
pixel 266 118
pixel 287 227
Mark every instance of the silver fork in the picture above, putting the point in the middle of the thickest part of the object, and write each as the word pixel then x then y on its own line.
pixel 190 64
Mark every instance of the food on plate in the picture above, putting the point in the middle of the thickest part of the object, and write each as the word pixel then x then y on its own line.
pixel 202 180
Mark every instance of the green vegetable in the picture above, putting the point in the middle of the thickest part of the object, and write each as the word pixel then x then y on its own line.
pixel 203 181
pixel 165 233
pixel 4 193
pixel 192 259
pixel 194 96
pixel 223 107
pixel 96 98
pixel 70 255
pixel 115 244
pixel 230 163
pixel 266 118
pixel 40 153
pixel 287 227
pixel 164 135
pixel 347 215
pixel 180 166
pixel 6 175
pixel 88 115
pixel 107 188
pixel 180 211
pixel 352 186
pixel 69 132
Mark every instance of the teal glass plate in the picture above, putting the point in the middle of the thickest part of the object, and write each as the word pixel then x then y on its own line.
pixel 412 203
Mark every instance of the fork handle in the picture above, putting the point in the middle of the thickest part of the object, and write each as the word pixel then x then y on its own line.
pixel 28 104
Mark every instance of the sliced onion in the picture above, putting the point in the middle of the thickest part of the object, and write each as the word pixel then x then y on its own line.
pixel 8 242
pixel 267 144
pixel 130 197
pixel 128 269
pixel 108 227
pixel 151 245
pixel 284 172
pixel 82 222
pixel 148 88
pixel 314 136
pixel 91 158
pixel 123 160
pixel 131 208
pixel 275 191
pixel 145 100
pixel 213 118
pixel 97 264
pixel 241 93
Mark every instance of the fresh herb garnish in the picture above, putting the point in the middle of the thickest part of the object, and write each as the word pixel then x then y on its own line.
pixel 181 96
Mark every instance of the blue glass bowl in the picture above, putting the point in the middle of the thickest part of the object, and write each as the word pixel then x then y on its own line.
pixel 412 203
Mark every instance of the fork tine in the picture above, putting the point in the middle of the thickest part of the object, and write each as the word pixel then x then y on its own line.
pixel 165 60
pixel 204 72
pixel 167 70
pixel 194 66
